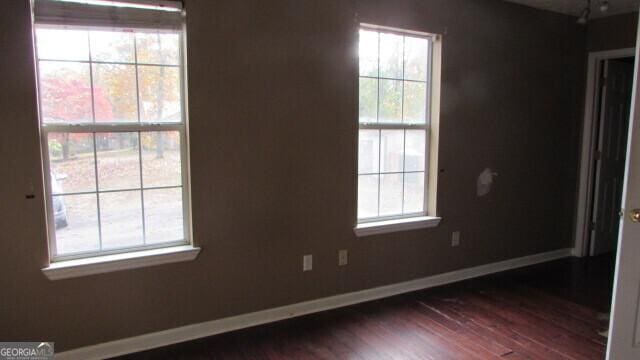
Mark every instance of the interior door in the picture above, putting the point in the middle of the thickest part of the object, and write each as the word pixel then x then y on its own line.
pixel 615 106
pixel 624 336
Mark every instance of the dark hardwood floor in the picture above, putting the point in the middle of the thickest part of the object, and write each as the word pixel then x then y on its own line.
pixel 548 311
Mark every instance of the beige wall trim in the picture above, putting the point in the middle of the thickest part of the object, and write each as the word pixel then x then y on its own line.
pixel 196 331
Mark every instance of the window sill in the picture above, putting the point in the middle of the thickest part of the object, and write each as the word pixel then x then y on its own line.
pixel 109 263
pixel 395 225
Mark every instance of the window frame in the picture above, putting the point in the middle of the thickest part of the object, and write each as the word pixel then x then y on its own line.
pixel 427 213
pixel 95 128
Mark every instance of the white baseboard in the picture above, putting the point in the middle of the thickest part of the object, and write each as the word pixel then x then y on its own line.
pixel 213 327
pixel 576 252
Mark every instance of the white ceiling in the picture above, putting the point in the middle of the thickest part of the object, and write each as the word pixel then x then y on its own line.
pixel 575 7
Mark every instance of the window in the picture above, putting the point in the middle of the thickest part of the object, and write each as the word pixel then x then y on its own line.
pixel 113 127
pixel 395 84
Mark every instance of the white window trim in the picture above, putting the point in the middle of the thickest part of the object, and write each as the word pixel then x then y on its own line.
pixel 426 219
pixel 80 264
pixel 389 226
pixel 116 262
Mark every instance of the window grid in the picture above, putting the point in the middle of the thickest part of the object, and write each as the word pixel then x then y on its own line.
pixel 391 78
pixel 391 173
pixel 379 131
pixel 95 168
pixel 404 133
pixel 103 62
pixel 95 152
pixel 116 190
pixel 380 126
pixel 144 221
pixel 139 128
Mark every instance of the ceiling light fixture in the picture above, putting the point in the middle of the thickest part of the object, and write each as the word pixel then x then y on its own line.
pixel 604 6
pixel 584 15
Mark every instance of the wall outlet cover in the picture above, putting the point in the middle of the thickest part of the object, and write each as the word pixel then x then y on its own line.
pixel 307 262
pixel 343 257
pixel 455 238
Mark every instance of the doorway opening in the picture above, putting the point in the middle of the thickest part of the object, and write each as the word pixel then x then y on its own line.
pixel 604 140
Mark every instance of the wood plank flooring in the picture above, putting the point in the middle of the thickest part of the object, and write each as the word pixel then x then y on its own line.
pixel 549 311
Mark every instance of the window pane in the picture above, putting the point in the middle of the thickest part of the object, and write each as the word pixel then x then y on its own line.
pixel 368 151
pixel 114 93
pixel 118 161
pixel 368 53
pixel 390 56
pixel 121 219
pixel 159 94
pixel 163 215
pixel 415 102
pixel 416 56
pixel 161 159
pixel 120 76
pixel 391 150
pixel 62 44
pixel 76 223
pixel 413 192
pixel 390 101
pixel 158 48
pixel 65 92
pixel 367 196
pixel 390 194
pixel 368 100
pixel 115 46
pixel 72 162
pixel 414 150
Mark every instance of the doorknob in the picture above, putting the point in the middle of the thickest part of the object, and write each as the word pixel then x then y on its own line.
pixel 634 215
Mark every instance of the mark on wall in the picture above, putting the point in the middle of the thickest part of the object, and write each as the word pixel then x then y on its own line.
pixel 485 180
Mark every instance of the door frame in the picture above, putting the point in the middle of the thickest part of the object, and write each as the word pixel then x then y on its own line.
pixel 588 147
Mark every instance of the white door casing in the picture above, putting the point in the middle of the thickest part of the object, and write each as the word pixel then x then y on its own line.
pixel 624 334
pixel 611 152
pixel 584 201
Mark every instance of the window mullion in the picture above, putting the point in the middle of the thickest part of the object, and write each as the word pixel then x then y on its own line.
pixel 144 228
pixel 404 132
pixel 108 62
pixel 118 190
pixel 95 169
pixel 93 105
pixel 95 143
pixel 393 126
pixel 379 131
pixel 135 59
pixel 109 127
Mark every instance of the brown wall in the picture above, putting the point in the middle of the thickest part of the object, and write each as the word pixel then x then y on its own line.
pixel 273 107
pixel 613 32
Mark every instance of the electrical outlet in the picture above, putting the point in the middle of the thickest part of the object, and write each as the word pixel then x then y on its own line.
pixel 307 262
pixel 343 257
pixel 455 238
